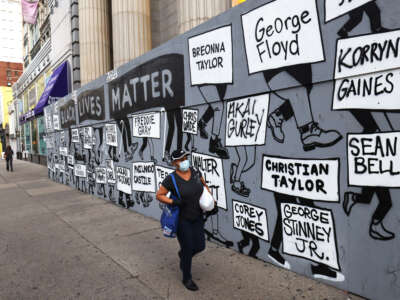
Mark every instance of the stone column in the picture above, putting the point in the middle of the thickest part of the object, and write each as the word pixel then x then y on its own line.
pixel 194 12
pixel 131 29
pixel 94 35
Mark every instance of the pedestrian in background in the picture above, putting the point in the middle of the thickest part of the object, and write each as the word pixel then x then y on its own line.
pixel 9 158
pixel 190 232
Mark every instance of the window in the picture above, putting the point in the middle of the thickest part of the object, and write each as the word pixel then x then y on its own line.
pixel 27 131
pixel 8 73
pixel 34 137
pixel 35 34
pixel 16 73
pixel 41 130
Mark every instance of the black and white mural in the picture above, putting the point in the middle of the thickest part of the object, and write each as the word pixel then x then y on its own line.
pixel 290 112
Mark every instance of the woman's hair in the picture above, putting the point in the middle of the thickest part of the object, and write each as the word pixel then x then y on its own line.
pixel 8 148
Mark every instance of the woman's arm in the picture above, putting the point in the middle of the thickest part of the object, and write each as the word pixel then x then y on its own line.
pixel 205 184
pixel 161 195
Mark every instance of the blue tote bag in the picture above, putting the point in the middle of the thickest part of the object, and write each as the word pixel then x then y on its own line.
pixel 170 215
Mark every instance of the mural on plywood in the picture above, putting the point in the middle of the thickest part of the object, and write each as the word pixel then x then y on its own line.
pixel 262 97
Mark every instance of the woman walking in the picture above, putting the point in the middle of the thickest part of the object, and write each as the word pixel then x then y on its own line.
pixel 190 232
pixel 9 158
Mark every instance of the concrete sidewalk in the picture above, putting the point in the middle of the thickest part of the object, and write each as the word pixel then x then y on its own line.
pixel 58 243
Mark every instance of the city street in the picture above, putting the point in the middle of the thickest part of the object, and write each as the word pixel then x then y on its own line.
pixel 58 243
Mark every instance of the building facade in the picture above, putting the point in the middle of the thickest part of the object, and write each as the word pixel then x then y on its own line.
pixel 10 72
pixel 125 30
pixel 10 35
pixel 93 37
pixel 10 65
pixel 41 56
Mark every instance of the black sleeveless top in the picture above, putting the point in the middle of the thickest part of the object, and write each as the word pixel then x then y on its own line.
pixel 190 192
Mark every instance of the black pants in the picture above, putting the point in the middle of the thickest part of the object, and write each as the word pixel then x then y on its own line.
pixel 209 113
pixel 246 241
pixel 373 12
pixel 172 117
pixel 112 152
pixel 9 164
pixel 369 125
pixel 192 241
pixel 302 73
pixel 125 129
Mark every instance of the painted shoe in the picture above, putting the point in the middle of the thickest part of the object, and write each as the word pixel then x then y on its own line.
pixel 349 201
pixel 324 272
pixel 278 259
pixel 202 128
pixel 141 154
pixel 314 137
pixel 241 190
pixel 381 30
pixel 379 232
pixel 343 33
pixel 275 124
pixel 217 148
pixel 128 156
pixel 241 246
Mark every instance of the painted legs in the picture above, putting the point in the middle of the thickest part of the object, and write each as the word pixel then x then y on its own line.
pixel 246 161
pixel 376 229
pixel 319 270
pixel 374 14
pixel 215 113
pixel 173 116
pixel 297 105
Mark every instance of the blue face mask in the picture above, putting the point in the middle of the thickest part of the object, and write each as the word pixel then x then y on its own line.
pixel 184 165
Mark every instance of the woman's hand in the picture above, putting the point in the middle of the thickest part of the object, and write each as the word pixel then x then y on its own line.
pixel 205 184
pixel 208 189
pixel 161 196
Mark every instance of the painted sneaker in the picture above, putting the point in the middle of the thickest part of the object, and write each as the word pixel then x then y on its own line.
pixel 217 148
pixel 278 259
pixel 240 189
pixel 324 272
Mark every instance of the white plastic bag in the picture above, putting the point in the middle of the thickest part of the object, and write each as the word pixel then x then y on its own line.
pixel 206 200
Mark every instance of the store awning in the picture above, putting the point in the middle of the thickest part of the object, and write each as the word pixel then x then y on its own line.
pixel 26 117
pixel 56 87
